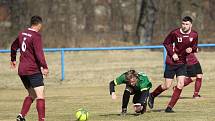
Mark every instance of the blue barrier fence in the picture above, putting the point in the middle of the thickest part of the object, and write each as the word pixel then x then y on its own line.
pixel 62 50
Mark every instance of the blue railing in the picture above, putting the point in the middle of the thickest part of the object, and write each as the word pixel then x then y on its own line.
pixel 62 50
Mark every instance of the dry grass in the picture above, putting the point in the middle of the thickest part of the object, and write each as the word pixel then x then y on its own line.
pixel 86 85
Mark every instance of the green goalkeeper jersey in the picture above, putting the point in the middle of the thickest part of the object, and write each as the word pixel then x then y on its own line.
pixel 143 82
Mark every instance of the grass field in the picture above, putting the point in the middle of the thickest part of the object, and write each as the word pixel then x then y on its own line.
pixel 87 75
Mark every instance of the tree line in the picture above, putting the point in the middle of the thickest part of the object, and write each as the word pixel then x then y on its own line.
pixel 95 23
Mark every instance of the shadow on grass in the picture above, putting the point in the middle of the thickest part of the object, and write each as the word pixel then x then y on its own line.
pixel 128 114
pixel 169 96
pixel 157 110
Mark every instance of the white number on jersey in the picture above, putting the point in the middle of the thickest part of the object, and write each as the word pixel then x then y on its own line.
pixel 179 39
pixel 24 44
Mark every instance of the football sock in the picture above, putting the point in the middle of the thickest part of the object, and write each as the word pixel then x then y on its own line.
pixel 41 109
pixel 26 105
pixel 125 99
pixel 187 81
pixel 198 85
pixel 175 97
pixel 157 91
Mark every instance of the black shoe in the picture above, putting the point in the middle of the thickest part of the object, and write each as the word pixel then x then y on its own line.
pixel 169 110
pixel 196 96
pixel 20 118
pixel 151 101
pixel 124 112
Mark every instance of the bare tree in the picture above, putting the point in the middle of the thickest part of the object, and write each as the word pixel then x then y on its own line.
pixel 89 14
pixel 147 18
pixel 212 9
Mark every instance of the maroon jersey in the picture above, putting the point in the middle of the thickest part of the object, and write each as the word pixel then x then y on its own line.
pixel 31 52
pixel 177 42
pixel 192 59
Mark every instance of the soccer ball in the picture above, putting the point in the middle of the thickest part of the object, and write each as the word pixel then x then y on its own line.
pixel 81 114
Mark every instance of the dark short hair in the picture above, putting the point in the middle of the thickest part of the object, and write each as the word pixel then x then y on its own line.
pixel 130 74
pixel 35 20
pixel 187 18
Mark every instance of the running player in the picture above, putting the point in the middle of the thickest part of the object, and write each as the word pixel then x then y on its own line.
pixel 179 43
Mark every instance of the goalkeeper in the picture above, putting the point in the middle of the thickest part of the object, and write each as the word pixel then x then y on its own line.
pixel 137 84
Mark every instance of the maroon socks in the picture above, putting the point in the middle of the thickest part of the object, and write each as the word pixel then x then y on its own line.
pixel 157 91
pixel 41 109
pixel 175 96
pixel 187 81
pixel 198 85
pixel 26 105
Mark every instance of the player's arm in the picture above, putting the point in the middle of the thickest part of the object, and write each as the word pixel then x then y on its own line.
pixel 170 46
pixel 194 45
pixel 14 48
pixel 38 49
pixel 112 89
pixel 119 80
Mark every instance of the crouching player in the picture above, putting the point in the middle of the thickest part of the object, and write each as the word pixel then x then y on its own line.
pixel 137 84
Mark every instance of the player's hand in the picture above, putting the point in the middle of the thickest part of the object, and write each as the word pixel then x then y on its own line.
pixel 175 57
pixel 45 72
pixel 113 95
pixel 189 50
pixel 13 64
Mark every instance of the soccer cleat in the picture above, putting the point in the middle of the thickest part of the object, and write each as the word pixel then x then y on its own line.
pixel 169 110
pixel 151 101
pixel 144 109
pixel 196 96
pixel 20 118
pixel 124 112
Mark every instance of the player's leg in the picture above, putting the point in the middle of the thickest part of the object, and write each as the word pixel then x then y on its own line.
pixel 161 88
pixel 28 99
pixel 187 81
pixel 125 99
pixel 190 73
pixel 169 74
pixel 38 85
pixel 176 94
pixel 198 82
pixel 40 105
pixel 198 85
pixel 141 98
pixel 181 74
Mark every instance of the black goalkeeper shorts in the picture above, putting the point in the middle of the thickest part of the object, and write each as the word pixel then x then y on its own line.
pixel 141 97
